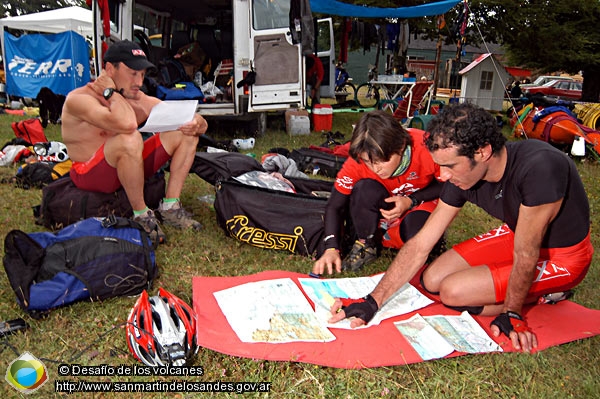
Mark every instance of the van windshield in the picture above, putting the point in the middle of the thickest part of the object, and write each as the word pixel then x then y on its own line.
pixel 270 14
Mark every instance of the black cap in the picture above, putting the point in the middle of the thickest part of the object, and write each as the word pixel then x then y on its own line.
pixel 129 53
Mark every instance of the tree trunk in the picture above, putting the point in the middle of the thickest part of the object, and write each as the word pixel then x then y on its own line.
pixel 591 84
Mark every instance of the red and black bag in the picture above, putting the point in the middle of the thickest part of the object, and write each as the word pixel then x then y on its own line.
pixel 30 130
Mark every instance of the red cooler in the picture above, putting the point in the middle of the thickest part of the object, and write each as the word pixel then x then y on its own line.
pixel 322 117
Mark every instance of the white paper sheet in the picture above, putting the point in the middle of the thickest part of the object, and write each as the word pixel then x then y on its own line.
pixel 273 311
pixel 323 291
pixel 169 115
pixel 437 336
pixel 277 310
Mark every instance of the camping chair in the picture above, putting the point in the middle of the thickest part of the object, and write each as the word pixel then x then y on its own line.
pixel 418 98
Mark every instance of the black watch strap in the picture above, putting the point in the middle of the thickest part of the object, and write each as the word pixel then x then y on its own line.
pixel 414 201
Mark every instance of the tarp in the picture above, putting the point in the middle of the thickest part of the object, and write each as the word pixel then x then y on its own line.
pixel 518 72
pixel 334 7
pixel 58 61
pixel 376 346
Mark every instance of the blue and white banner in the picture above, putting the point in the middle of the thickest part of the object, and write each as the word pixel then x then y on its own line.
pixel 58 61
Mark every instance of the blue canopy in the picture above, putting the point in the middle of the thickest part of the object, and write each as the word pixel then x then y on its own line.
pixel 334 7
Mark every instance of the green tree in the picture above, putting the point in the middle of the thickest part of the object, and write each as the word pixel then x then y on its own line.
pixel 22 7
pixel 544 35
pixel 547 35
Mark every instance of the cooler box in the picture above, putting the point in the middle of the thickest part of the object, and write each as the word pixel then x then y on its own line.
pixel 322 117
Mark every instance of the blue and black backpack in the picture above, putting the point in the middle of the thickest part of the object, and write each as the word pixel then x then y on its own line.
pixel 93 259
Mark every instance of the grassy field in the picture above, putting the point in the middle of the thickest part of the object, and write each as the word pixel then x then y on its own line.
pixel 91 333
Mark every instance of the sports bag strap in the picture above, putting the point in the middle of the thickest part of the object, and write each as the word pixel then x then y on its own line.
pixel 114 221
pixel 82 211
pixel 54 173
pixel 22 129
pixel 44 204
pixel 22 260
pixel 550 124
pixel 27 131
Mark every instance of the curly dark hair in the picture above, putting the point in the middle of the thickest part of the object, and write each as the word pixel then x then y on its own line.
pixel 466 126
pixel 378 135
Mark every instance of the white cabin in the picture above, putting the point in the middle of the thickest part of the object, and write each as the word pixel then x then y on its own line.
pixel 483 82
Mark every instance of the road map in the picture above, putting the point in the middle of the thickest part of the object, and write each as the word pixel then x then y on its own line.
pixel 271 311
pixel 278 311
pixel 323 291
pixel 434 337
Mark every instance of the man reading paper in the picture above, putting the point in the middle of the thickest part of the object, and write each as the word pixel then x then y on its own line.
pixel 100 129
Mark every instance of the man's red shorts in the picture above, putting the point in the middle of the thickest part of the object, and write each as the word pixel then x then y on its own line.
pixel 97 175
pixel 558 269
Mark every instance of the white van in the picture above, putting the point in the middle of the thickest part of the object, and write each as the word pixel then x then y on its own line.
pixel 258 35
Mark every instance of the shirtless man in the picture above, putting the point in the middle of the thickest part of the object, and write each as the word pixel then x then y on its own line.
pixel 99 128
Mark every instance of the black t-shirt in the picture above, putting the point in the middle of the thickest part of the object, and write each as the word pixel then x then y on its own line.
pixel 536 173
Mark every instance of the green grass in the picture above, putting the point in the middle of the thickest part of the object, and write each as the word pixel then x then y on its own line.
pixel 566 371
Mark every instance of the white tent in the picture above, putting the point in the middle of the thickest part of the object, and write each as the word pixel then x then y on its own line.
pixel 73 18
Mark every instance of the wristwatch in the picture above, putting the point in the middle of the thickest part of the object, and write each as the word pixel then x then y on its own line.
pixel 413 200
pixel 108 92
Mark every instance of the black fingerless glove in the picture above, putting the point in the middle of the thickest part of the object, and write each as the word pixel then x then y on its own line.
pixel 510 321
pixel 363 308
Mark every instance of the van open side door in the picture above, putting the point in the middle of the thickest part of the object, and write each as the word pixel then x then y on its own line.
pixel 326 53
pixel 275 59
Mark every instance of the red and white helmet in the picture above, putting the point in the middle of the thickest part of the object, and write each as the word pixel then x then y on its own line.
pixel 161 330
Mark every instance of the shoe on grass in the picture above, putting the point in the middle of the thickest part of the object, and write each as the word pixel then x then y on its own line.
pixel 177 217
pixel 360 255
pixel 149 222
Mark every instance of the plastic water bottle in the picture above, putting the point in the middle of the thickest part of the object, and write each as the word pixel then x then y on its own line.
pixel 244 144
pixel 208 198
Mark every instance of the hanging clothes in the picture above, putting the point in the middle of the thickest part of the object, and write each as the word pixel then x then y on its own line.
pixel 371 36
pixel 345 37
pixel 302 26
pixel 404 35
pixel 392 31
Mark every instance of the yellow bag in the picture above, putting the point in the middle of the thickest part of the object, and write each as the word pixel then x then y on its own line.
pixel 41 173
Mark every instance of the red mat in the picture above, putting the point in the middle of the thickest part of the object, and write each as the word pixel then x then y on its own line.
pixel 376 346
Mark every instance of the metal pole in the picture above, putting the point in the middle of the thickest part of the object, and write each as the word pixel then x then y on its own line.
pixel 436 71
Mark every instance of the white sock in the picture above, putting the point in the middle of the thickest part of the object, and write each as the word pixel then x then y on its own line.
pixel 169 203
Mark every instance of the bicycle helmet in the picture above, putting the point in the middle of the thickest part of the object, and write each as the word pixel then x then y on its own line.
pixel 161 330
